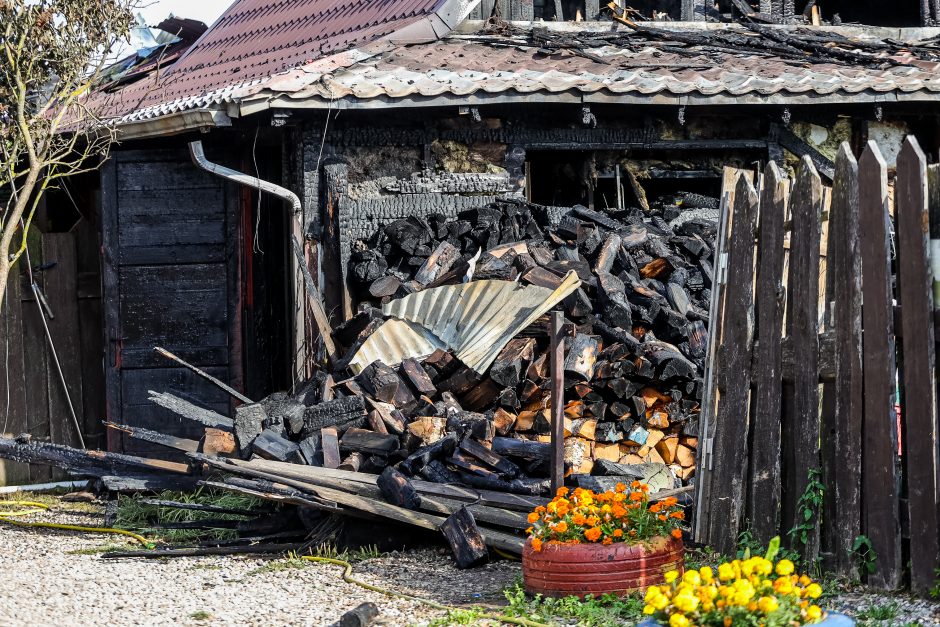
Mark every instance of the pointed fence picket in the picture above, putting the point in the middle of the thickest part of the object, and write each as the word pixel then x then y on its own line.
pixel 770 432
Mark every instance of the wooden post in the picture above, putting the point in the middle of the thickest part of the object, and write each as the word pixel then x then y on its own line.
pixel 557 361
pixel 728 479
pixel 919 397
pixel 800 428
pixel 12 381
pixel 842 460
pixel 880 522
pixel 764 495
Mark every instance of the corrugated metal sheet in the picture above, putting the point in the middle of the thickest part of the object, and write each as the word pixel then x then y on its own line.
pixel 394 341
pixel 474 320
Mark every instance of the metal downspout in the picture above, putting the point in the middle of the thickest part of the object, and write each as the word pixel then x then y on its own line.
pixel 297 277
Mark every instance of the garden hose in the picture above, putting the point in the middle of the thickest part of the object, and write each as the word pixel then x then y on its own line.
pixel 348 578
pixel 33 507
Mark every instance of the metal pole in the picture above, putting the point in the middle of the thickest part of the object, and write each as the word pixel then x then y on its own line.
pixel 556 362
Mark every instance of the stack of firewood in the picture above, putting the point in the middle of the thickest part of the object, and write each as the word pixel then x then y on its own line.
pixel 633 371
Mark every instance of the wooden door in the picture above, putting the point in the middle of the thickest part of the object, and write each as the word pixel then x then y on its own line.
pixel 170 280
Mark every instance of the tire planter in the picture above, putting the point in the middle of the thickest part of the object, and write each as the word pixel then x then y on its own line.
pixel 832 620
pixel 561 570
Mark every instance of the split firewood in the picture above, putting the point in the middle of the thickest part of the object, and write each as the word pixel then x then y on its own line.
pixel 465 539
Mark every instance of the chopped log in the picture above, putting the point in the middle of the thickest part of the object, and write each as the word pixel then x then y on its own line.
pixel 465 423
pixel 249 422
pixel 384 286
pixel 608 432
pixel 503 421
pixel 618 312
pixel 579 363
pixel 270 445
pixel 311 450
pixel 525 449
pixel 426 454
pixel 362 615
pixel 376 423
pixel 184 408
pixel 353 462
pixel 528 486
pixel 429 429
pixel 437 472
pixel 512 361
pixel 418 377
pixel 365 441
pixel 465 539
pixel 491 459
pixel 438 263
pixel 340 411
pixel 329 446
pixel 605 468
pixel 382 383
pixel 218 442
pixel 543 277
pixel 398 490
pixel 392 419
pixel 608 255
pixel 132 483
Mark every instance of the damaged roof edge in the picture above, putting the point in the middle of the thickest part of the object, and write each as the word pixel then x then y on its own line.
pixel 250 107
pixel 174 124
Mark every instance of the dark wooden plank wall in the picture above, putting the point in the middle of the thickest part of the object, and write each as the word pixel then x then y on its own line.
pixel 170 269
pixel 32 398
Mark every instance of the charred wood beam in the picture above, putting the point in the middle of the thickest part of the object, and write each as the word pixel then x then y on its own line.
pixel 83 463
pixel 147 435
pixel 184 408
pixel 795 144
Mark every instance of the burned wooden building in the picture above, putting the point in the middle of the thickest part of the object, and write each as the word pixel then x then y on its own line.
pixel 480 125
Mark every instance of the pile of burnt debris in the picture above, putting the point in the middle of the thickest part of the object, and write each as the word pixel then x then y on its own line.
pixel 435 409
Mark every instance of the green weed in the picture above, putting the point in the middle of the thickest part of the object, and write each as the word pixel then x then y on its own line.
pixel 291 562
pixel 604 611
pixel 136 516
pixel 95 550
pixel 878 614
pixel 201 615
pixel 865 555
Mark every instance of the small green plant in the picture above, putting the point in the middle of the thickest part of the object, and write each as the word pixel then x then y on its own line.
pixel 201 615
pixel 875 614
pixel 808 508
pixel 935 591
pixel 367 552
pixel 137 516
pixel 471 616
pixel 605 611
pixel 291 562
pixel 864 553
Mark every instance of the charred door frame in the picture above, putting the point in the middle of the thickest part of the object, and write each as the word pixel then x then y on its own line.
pixel 111 294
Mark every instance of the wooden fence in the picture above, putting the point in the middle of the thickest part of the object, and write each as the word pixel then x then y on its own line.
pixel 805 386
pixel 32 397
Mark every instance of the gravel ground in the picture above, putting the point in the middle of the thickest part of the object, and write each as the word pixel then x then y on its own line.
pixel 58 578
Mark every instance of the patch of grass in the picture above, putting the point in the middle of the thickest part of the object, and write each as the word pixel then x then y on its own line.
pixel 201 615
pixel 605 611
pixel 877 614
pixel 136 516
pixel 291 562
pixel 472 616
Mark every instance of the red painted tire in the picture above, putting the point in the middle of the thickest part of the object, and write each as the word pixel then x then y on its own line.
pixel 560 570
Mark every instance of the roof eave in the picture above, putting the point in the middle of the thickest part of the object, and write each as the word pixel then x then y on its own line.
pixel 174 124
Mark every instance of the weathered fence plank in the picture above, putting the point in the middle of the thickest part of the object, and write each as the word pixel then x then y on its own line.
pixel 919 396
pixel 842 462
pixel 764 489
pixel 12 380
pixel 800 428
pixel 880 522
pixel 728 479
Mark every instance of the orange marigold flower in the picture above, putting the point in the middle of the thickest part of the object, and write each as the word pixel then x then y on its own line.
pixel 636 496
pixel 670 501
pixel 561 527
pixel 618 533
pixel 607 541
pixel 635 484
pixel 593 520
pixel 578 519
pixel 633 532
pixel 656 507
pixel 593 534
pixel 677 534
pixel 620 487
pixel 677 515
pixel 540 509
pixel 536 544
pixel 663 518
pixel 619 511
pixel 562 492
pixel 562 510
pixel 533 517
